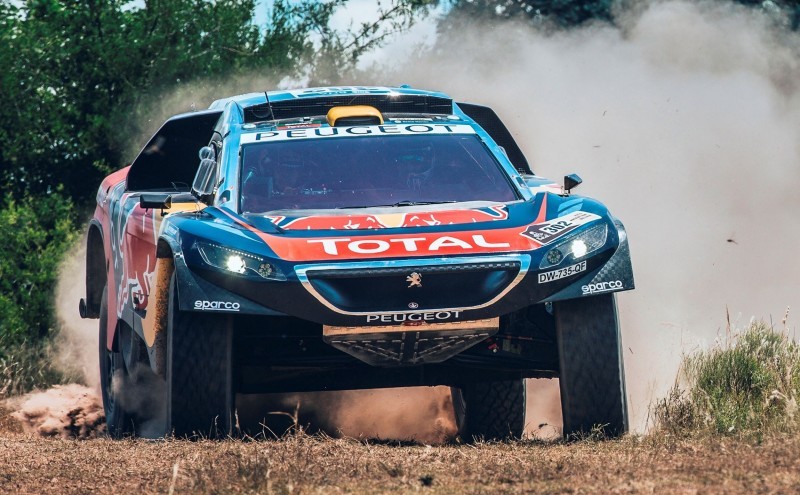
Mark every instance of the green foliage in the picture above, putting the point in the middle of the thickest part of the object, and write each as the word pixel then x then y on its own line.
pixel 37 233
pixel 80 67
pixel 750 385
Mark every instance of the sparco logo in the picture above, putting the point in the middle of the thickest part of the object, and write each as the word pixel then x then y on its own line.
pixel 216 306
pixel 601 287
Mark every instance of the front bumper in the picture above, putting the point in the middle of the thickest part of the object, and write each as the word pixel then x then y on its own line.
pixel 414 311
pixel 452 289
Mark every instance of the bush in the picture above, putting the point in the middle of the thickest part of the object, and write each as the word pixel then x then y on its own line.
pixel 749 385
pixel 37 234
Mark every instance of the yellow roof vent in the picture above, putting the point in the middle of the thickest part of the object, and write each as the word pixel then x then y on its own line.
pixel 354 115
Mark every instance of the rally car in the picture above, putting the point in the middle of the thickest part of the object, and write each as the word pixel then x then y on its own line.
pixel 348 238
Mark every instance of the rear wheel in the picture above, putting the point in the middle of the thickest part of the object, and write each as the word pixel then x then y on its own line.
pixel 200 396
pixel 490 410
pixel 115 381
pixel 591 378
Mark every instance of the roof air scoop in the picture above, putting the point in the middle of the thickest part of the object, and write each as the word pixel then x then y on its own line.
pixel 354 115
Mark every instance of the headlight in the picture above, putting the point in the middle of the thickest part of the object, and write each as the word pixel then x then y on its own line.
pixel 238 262
pixel 576 247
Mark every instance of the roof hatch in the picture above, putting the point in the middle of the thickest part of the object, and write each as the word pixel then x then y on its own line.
pixel 354 115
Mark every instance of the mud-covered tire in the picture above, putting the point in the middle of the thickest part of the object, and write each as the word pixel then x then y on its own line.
pixel 490 410
pixel 200 396
pixel 114 380
pixel 592 377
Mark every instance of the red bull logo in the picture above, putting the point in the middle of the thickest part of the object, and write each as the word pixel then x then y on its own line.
pixel 392 220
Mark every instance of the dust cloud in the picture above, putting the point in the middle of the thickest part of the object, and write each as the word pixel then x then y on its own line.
pixel 66 411
pixel 685 122
pixel 419 414
pixel 77 345
pixel 423 414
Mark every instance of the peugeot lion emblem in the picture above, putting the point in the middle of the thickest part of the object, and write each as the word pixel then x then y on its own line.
pixel 414 280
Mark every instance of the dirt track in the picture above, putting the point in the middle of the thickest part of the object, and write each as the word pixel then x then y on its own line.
pixel 314 464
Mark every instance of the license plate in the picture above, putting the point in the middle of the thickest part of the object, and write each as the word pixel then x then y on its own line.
pixel 416 326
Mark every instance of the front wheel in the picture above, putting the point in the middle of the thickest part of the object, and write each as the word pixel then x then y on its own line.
pixel 200 396
pixel 490 410
pixel 591 377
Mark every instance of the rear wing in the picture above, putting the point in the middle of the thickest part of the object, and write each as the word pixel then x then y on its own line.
pixel 491 123
pixel 169 159
pixel 385 103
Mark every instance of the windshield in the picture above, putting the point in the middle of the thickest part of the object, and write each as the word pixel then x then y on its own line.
pixel 361 172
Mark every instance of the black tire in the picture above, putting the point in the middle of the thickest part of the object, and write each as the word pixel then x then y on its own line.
pixel 200 396
pixel 592 377
pixel 115 382
pixel 490 410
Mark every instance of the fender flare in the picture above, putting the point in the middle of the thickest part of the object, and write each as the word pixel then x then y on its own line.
pixel 618 270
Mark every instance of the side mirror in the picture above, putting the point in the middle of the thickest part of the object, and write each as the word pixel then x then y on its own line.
pixel 571 181
pixel 155 201
pixel 203 185
pixel 207 153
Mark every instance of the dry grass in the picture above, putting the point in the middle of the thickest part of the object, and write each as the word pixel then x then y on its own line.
pixel 746 385
pixel 25 366
pixel 733 429
pixel 304 464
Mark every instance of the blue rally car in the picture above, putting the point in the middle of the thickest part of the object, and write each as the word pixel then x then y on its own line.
pixel 349 238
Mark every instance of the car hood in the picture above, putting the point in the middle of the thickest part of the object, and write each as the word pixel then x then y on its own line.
pixel 432 231
pixel 419 216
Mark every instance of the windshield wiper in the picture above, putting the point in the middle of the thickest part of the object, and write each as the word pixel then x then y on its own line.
pixel 405 202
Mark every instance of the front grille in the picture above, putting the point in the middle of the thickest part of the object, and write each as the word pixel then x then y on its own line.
pixel 373 272
pixel 393 289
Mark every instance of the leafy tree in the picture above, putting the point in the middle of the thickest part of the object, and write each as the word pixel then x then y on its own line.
pixel 82 66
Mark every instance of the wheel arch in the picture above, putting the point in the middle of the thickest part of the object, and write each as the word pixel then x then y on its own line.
pixel 154 328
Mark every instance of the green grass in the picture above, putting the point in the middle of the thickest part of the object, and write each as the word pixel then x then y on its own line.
pixel 747 385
